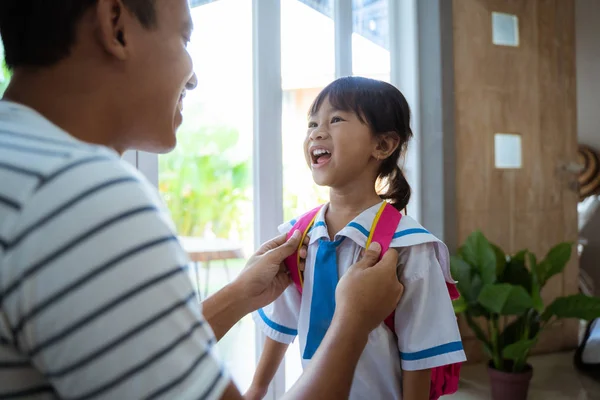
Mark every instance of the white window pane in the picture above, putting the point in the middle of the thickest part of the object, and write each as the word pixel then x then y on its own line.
pixel 308 65
pixel 370 39
pixel 207 180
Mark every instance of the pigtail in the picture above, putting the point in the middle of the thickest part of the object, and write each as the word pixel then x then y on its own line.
pixel 396 188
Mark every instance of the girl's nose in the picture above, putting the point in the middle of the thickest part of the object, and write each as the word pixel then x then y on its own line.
pixel 318 134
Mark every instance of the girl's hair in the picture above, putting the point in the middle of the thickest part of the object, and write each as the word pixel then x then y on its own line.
pixel 384 109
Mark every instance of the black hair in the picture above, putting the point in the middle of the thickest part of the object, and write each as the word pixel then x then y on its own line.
pixel 385 110
pixel 40 33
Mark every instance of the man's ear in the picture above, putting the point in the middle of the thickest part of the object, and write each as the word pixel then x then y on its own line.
pixel 113 19
pixel 386 144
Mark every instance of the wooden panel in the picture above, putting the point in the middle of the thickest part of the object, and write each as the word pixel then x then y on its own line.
pixel 528 90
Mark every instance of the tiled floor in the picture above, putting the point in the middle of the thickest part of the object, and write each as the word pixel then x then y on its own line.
pixel 554 378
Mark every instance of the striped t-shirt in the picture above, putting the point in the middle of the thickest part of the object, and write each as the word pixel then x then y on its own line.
pixel 95 301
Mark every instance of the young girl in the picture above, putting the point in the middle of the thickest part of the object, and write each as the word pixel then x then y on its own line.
pixel 358 130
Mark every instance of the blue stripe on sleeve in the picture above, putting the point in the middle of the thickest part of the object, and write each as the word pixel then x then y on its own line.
pixel 275 325
pixel 432 352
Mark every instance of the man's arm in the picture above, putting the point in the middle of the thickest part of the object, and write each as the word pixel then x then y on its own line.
pixel 330 373
pixel 262 281
pixel 224 309
pixel 365 296
pixel 100 301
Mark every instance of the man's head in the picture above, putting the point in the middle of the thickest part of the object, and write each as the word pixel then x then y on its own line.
pixel 129 54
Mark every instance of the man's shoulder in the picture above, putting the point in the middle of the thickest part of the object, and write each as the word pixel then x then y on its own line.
pixel 44 150
pixel 43 172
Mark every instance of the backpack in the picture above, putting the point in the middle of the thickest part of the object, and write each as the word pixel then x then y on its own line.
pixel 444 379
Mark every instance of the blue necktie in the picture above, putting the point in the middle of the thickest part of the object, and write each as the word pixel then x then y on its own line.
pixel 323 296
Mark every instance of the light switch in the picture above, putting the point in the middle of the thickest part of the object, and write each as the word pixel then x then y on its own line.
pixel 507 151
pixel 505 29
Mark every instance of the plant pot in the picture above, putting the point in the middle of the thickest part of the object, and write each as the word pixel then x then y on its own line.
pixel 509 385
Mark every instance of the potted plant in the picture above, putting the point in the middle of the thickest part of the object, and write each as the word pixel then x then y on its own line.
pixel 493 285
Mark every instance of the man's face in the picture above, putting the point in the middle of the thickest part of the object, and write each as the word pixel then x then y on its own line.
pixel 159 71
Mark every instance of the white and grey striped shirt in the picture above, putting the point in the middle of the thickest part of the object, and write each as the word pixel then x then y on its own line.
pixel 95 301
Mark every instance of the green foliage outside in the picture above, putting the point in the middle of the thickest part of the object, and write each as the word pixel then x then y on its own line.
pixel 493 285
pixel 204 184
pixel 4 72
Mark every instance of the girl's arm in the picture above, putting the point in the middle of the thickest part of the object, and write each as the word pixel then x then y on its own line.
pixel 416 384
pixel 270 359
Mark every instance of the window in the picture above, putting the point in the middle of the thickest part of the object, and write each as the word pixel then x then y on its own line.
pixel 370 39
pixel 206 181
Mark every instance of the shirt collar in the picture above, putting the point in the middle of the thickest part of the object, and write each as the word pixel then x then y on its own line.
pixel 357 230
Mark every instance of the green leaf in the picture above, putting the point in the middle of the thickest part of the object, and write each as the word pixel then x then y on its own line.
pixel 479 334
pixel 460 305
pixel 505 299
pixel 477 310
pixel 475 291
pixel 520 255
pixel 532 261
pixel 536 287
pixel 516 273
pixel 536 296
pixel 577 306
pixel 478 252
pixel 519 350
pixel 556 260
pixel 500 259
pixel 515 331
pixel 461 272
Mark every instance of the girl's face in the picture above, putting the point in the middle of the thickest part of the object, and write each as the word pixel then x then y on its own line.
pixel 339 148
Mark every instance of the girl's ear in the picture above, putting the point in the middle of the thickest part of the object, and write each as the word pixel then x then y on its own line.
pixel 386 144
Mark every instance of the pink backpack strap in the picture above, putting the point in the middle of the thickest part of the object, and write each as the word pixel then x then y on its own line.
pixel 302 224
pixel 444 379
pixel 382 231
pixel 384 227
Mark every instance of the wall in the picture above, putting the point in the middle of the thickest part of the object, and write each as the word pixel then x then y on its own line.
pixel 587 30
pixel 587 15
pixel 530 91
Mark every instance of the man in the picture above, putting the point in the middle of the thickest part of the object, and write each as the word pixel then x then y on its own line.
pixel 95 301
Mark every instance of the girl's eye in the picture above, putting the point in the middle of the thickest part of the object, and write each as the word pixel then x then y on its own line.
pixel 336 119
pixel 312 124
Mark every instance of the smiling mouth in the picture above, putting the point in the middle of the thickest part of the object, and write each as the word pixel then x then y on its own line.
pixel 320 156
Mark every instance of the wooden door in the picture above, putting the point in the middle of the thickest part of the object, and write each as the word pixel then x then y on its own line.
pixel 527 90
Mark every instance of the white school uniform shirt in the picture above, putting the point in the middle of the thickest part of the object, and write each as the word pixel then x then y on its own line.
pixel 425 323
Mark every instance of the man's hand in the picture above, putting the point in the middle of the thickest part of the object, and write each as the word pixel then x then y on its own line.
pixel 369 291
pixel 265 277
pixel 303 252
